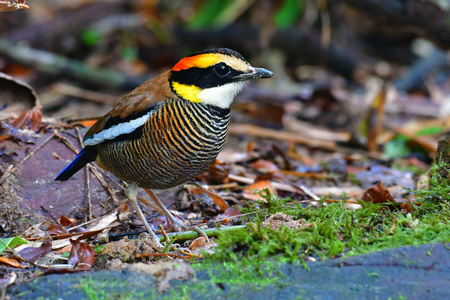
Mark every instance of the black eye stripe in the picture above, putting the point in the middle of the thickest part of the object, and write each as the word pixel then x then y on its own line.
pixel 204 77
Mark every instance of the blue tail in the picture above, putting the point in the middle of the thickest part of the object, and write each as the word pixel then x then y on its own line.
pixel 85 156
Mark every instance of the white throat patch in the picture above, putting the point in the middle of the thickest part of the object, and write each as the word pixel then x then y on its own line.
pixel 221 96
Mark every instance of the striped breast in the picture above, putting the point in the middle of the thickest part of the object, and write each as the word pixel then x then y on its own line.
pixel 179 141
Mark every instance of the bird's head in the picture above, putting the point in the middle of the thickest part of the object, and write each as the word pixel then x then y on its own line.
pixel 213 76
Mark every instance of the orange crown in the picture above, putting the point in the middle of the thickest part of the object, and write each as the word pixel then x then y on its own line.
pixel 197 61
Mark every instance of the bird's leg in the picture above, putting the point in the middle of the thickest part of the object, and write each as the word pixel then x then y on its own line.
pixel 176 225
pixel 132 191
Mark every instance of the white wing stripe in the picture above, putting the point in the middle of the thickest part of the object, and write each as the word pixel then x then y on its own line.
pixel 117 130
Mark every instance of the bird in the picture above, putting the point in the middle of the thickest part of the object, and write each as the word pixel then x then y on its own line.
pixel 169 129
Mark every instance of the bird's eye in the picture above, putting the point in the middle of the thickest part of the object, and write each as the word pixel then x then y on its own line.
pixel 222 70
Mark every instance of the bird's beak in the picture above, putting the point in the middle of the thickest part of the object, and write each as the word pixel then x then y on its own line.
pixel 254 73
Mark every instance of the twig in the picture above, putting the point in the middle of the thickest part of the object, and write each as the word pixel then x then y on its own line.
pixel 113 180
pixel 103 182
pixel 257 131
pixel 164 233
pixel 67 143
pixel 50 215
pixel 212 187
pixel 221 186
pixel 341 200
pixel 83 235
pixel 81 225
pixel 88 184
pixel 29 155
pixel 162 254
pixel 80 139
pixel 240 215
pixel 8 170
pixel 210 232
pixel 305 175
pixel 308 192
pixel 96 97
pixel 191 254
pixel 276 185
pixel 76 120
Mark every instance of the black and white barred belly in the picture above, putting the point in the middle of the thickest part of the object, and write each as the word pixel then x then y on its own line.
pixel 179 140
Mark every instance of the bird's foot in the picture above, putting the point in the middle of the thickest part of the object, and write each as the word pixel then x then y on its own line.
pixel 176 225
pixel 132 196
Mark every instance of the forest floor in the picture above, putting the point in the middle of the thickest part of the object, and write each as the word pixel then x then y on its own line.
pixel 334 181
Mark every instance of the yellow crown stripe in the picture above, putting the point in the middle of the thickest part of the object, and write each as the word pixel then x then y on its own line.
pixel 197 61
pixel 188 92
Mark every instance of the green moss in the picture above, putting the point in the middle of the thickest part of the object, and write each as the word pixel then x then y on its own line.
pixel 97 288
pixel 252 255
pixel 436 198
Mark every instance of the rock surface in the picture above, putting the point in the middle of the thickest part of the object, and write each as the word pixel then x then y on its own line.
pixel 409 272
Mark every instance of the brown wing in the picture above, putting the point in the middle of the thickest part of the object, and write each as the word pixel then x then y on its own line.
pixel 142 97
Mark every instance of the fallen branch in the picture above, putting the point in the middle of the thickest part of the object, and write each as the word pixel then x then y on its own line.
pixel 58 65
pixel 70 90
pixel 261 132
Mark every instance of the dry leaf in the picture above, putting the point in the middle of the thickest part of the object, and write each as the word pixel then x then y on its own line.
pixel 34 253
pixel 250 148
pixel 293 153
pixel 82 255
pixel 16 96
pixel 197 243
pixel 88 123
pixel 63 249
pixel 216 198
pixel 230 213
pixel 264 166
pixel 216 174
pixel 53 229
pixel 30 119
pixel 65 221
pixel 8 131
pixel 13 5
pixel 378 194
pixel 375 118
pixel 111 219
pixel 34 231
pixel 251 191
pixel 12 262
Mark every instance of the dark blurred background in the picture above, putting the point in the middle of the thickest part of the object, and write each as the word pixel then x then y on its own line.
pixel 333 59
